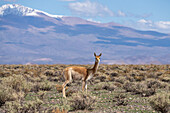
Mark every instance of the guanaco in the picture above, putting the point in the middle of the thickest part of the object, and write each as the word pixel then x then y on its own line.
pixel 80 73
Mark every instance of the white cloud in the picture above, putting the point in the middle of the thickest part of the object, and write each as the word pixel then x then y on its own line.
pixel 142 21
pixel 43 59
pixel 120 13
pixel 143 24
pixel 158 25
pixel 93 9
pixel 90 9
pixel 91 20
pixel 163 24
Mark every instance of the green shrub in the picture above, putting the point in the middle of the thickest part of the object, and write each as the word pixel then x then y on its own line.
pixel 161 102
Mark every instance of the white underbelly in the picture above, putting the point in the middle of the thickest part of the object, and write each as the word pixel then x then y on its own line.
pixel 90 76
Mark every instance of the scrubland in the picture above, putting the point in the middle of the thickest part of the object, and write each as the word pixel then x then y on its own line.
pixel 115 88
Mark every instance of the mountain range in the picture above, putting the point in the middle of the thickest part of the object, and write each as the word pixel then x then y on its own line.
pixel 30 36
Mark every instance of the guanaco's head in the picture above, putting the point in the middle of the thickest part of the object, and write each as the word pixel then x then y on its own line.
pixel 97 57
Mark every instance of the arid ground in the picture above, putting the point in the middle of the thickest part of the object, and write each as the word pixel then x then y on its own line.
pixel 114 89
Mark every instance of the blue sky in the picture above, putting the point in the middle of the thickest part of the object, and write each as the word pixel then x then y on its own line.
pixel 139 14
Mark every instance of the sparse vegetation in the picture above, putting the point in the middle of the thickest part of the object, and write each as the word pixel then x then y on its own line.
pixel 115 88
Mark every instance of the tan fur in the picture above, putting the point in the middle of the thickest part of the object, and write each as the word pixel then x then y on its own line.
pixel 80 73
pixel 76 72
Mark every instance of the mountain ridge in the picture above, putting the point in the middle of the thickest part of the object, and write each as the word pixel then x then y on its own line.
pixel 72 40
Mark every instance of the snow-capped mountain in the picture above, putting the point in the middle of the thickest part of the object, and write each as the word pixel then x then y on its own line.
pixel 32 36
pixel 16 9
pixel 19 10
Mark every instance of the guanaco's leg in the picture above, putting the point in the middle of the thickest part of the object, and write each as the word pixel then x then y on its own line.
pixel 63 86
pixel 84 85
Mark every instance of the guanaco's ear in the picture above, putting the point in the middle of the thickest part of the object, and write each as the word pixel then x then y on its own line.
pixel 94 54
pixel 100 54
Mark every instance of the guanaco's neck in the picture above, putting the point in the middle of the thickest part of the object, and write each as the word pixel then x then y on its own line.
pixel 95 67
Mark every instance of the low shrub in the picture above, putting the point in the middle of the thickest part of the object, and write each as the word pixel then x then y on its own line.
pixel 165 79
pixel 120 99
pixel 50 73
pixel 45 86
pixel 139 88
pixel 108 87
pixel 105 86
pixel 101 78
pixel 32 106
pixel 6 94
pixel 13 87
pixel 139 77
pixel 130 78
pixel 5 73
pixel 114 74
pixel 143 90
pixel 129 86
pixel 154 83
pixel 120 79
pixel 81 101
pixel 17 82
pixel 161 102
